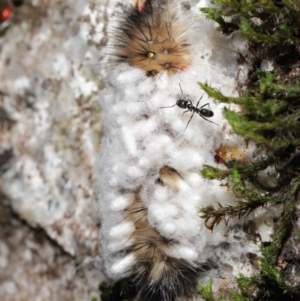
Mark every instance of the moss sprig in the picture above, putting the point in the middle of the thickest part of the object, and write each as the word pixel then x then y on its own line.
pixel 248 202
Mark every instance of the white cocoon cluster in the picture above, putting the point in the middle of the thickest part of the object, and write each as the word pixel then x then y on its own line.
pixel 141 136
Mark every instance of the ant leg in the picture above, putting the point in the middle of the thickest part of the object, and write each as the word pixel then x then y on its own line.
pixel 208 120
pixel 207 104
pixel 167 107
pixel 189 120
pixel 185 112
pixel 199 101
pixel 190 102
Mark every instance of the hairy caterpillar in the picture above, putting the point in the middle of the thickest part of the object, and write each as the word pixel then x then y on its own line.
pixel 150 189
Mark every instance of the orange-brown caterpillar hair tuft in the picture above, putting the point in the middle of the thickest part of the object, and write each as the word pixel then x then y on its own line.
pixel 152 36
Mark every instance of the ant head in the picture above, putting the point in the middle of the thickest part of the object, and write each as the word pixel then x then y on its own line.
pixel 182 103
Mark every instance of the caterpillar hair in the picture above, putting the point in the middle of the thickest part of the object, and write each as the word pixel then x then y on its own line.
pixel 152 36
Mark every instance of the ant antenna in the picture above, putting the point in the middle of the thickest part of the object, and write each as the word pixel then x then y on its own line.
pixel 181 89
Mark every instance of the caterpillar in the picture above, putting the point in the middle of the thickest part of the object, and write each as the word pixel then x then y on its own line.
pixel 150 189
pixel 150 35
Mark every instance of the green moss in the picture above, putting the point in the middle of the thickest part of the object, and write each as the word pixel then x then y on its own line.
pixel 271 118
pixel 206 293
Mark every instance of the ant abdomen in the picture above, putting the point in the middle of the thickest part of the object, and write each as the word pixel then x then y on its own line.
pixel 206 113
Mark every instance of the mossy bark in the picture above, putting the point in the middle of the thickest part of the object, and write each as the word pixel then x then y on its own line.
pixel 271 118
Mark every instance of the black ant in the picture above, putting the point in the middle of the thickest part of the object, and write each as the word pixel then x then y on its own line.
pixel 187 104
